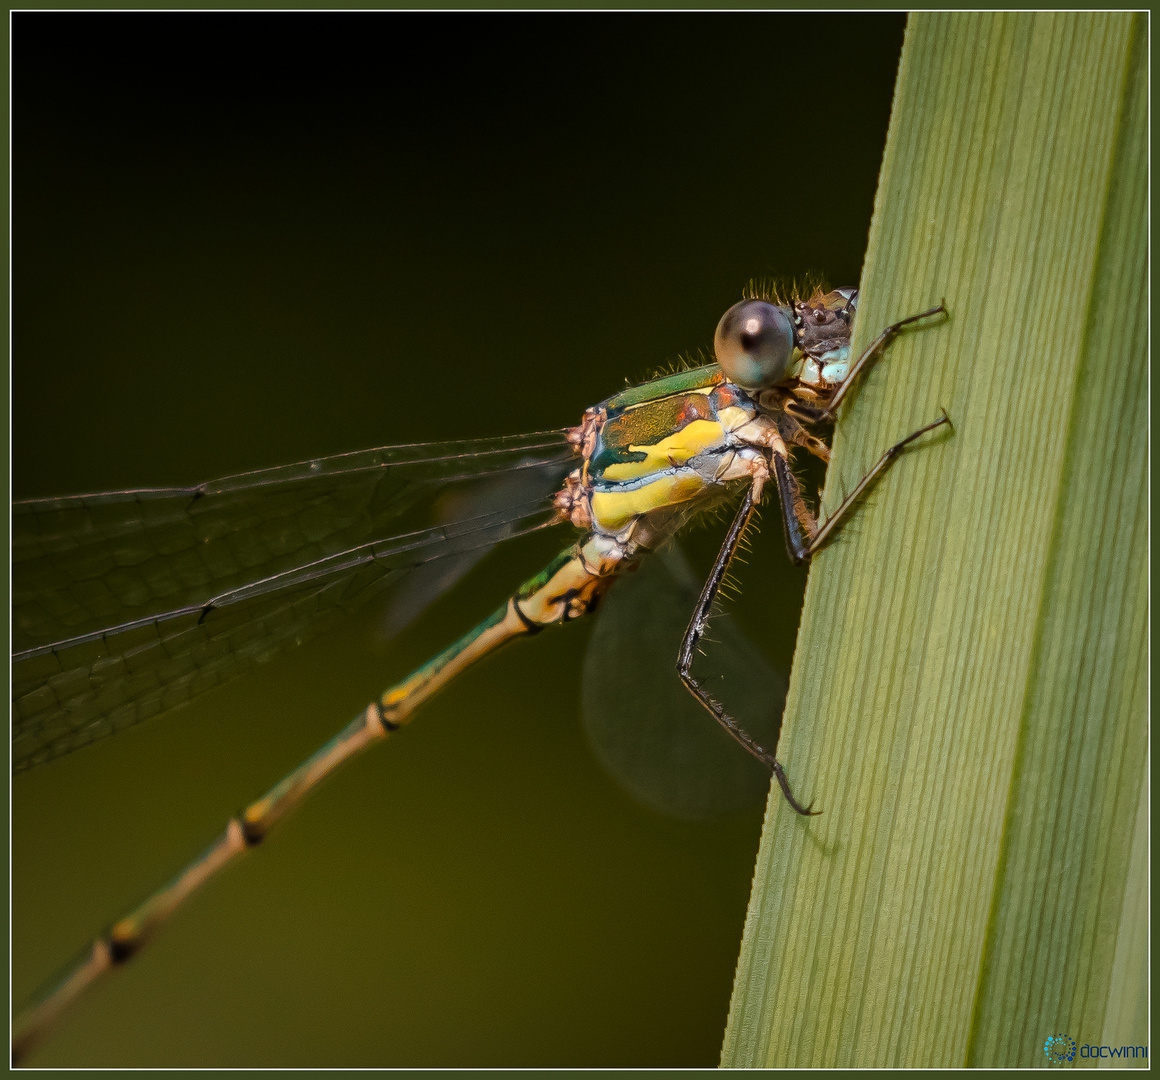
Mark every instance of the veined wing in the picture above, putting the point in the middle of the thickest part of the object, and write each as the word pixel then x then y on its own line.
pixel 129 603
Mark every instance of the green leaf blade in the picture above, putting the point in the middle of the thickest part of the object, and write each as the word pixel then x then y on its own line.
pixel 982 617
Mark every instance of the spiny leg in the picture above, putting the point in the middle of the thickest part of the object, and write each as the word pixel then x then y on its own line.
pixel 822 533
pixel 801 543
pixel 872 350
pixel 793 509
pixel 696 631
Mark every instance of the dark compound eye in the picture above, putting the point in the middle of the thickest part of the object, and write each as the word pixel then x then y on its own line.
pixel 754 343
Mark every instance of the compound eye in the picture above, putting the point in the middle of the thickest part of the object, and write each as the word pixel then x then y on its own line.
pixel 754 343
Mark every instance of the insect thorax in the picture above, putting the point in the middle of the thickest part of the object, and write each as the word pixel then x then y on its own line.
pixel 657 454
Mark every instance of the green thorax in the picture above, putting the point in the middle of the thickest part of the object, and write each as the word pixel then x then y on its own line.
pixel 679 382
pixel 661 425
pixel 666 444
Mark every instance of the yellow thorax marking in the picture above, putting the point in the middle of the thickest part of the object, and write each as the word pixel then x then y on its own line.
pixel 615 509
pixel 674 449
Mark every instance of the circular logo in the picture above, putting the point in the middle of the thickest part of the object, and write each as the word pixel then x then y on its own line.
pixel 1060 1048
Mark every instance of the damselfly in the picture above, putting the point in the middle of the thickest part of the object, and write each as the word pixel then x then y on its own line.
pixel 218 577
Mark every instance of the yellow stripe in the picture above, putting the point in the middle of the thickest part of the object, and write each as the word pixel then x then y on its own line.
pixel 675 449
pixel 613 510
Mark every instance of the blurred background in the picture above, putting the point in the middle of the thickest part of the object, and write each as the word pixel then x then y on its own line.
pixel 243 240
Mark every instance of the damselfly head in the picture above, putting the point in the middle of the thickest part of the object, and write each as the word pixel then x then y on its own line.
pixel 754 342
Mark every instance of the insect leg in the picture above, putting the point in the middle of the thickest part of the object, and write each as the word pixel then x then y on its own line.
pixel 800 548
pixel 872 350
pixel 696 631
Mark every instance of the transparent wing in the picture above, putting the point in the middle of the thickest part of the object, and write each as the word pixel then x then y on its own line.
pixel 126 604
pixel 644 727
pixel 495 495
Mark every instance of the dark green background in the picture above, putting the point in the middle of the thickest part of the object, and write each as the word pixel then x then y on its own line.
pixel 244 240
